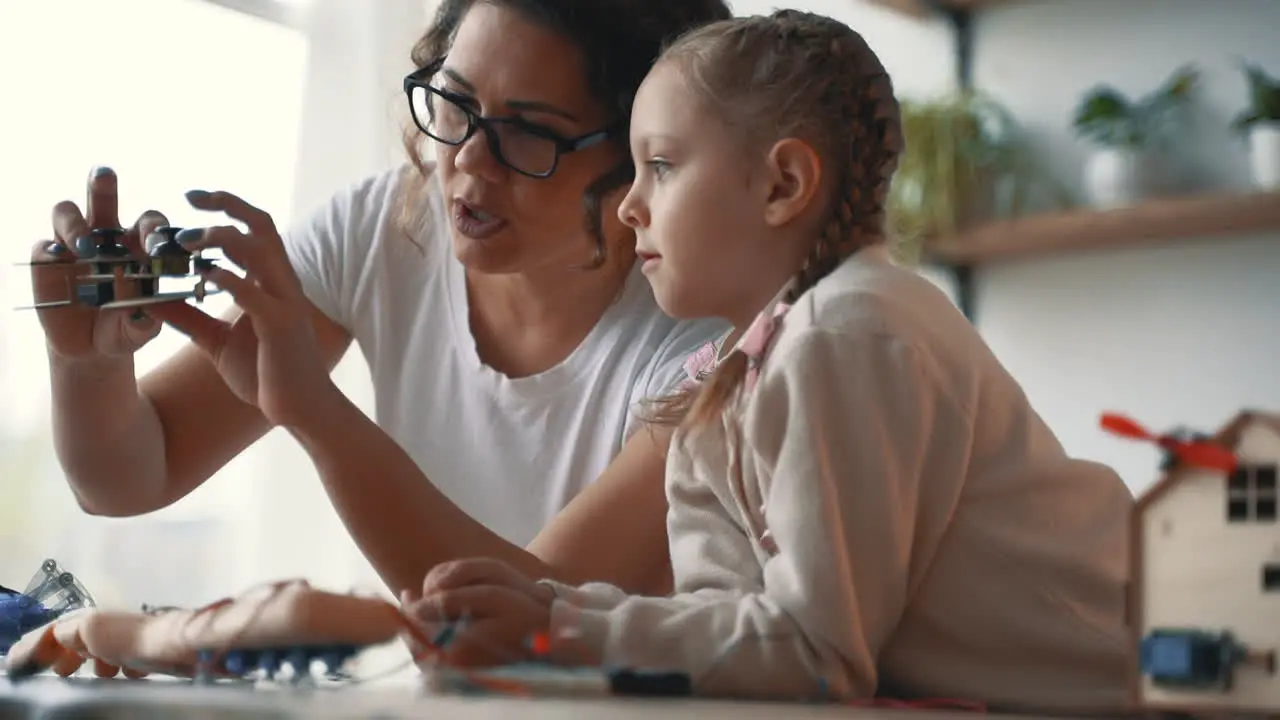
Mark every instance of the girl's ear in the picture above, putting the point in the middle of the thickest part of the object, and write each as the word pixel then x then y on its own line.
pixel 794 175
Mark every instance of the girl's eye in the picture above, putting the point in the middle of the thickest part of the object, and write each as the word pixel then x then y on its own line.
pixel 660 167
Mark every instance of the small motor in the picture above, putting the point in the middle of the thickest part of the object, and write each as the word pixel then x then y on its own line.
pixel 168 257
pixel 1191 659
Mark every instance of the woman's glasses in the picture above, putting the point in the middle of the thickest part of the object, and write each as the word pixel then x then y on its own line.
pixel 525 147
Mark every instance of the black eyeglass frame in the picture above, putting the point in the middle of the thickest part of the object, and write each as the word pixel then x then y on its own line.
pixel 475 121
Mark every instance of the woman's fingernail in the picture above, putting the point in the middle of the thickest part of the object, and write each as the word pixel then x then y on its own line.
pixel 138 316
pixel 189 236
pixel 55 248
pixel 101 171
pixel 196 196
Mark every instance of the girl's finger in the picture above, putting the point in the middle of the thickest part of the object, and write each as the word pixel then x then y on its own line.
pixel 474 601
pixel 473 571
pixel 486 643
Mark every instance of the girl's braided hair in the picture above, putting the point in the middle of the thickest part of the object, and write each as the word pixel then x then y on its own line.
pixel 619 41
pixel 796 74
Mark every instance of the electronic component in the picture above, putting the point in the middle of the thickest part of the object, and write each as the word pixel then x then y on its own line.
pixel 537 678
pixel 271 663
pixel 51 593
pixel 118 279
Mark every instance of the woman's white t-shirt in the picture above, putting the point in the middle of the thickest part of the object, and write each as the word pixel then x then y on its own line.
pixel 511 452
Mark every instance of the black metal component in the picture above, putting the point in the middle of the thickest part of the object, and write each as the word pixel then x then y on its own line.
pixel 962 30
pixel 961 20
pixel 966 298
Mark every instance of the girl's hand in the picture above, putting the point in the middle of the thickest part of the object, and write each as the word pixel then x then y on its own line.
pixel 485 612
pixel 268 355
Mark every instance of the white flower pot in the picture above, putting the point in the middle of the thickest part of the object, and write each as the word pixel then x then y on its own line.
pixel 1264 154
pixel 1117 177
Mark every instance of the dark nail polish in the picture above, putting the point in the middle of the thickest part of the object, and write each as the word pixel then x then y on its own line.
pixel 138 316
pixel 197 195
pixel 102 171
pixel 189 236
pixel 55 248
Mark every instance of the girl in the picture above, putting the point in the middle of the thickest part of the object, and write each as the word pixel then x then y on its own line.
pixel 862 500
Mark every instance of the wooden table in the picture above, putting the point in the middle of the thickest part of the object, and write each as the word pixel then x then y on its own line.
pixel 140 700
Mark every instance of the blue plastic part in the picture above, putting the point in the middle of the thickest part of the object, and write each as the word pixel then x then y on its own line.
pixel 51 592
pixel 1185 658
pixel 19 615
pixel 269 661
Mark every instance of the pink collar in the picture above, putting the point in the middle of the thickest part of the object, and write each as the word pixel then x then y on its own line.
pixel 754 343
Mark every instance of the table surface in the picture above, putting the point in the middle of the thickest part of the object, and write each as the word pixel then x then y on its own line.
pixel 138 700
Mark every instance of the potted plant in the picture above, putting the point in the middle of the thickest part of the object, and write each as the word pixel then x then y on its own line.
pixel 943 180
pixel 963 164
pixel 1127 134
pixel 1260 123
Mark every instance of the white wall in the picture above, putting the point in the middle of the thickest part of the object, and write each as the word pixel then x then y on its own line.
pixel 354 109
pixel 1178 335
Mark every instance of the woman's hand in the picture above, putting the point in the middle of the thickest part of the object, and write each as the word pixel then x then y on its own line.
pixel 483 611
pixel 268 355
pixel 80 332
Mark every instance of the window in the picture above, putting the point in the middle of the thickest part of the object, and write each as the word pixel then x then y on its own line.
pixel 1251 494
pixel 173 94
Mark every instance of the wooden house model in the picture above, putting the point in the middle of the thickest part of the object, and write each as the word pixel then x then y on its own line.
pixel 1204 595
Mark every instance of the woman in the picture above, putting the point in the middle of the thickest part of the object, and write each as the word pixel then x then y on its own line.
pixel 509 337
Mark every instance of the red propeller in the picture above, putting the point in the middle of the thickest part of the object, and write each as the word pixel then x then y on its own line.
pixel 1196 453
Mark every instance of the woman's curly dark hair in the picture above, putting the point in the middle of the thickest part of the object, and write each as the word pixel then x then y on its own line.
pixel 619 39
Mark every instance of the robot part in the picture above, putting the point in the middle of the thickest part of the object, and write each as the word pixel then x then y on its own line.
pixel 1196 659
pixel 51 593
pixel 272 663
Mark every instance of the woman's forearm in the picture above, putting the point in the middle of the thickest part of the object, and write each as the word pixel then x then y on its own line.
pixel 107 435
pixel 401 522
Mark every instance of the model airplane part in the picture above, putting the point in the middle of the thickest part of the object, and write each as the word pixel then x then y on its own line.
pixel 1204 586
pixel 117 279
pixel 1179 447
pixel 51 593
pixel 290 625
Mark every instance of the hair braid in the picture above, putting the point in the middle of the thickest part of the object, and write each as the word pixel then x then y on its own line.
pixel 798 74
pixel 856 105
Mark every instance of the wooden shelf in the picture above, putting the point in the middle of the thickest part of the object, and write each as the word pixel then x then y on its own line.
pixel 926 8
pixel 1152 222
